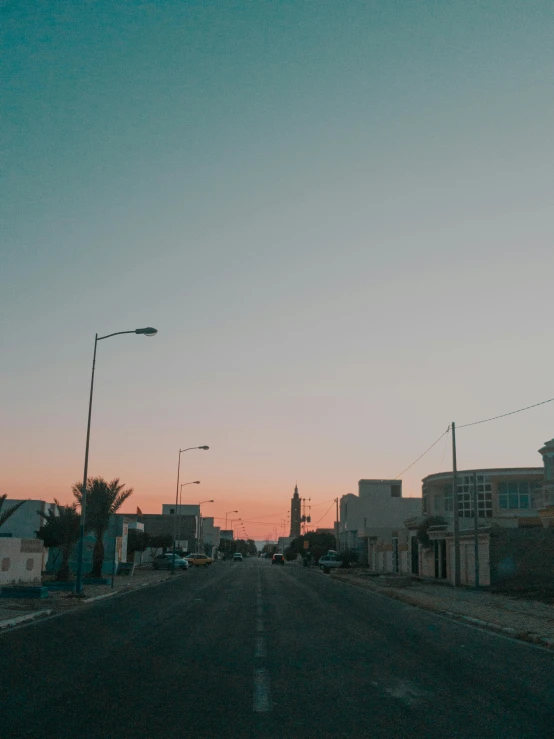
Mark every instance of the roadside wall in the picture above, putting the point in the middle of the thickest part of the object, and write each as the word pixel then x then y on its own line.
pixel 522 555
pixel 21 560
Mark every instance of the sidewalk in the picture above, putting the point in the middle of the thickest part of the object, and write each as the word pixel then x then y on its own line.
pixel 522 619
pixel 58 602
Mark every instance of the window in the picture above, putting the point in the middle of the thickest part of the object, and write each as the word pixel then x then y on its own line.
pixel 448 506
pixel 465 496
pixel 172 510
pixel 516 495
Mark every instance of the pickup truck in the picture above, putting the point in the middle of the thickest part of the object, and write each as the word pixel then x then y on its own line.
pixel 329 561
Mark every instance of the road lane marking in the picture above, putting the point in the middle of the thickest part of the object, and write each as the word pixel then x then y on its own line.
pixel 259 610
pixel 261 702
pixel 261 651
pixel 259 624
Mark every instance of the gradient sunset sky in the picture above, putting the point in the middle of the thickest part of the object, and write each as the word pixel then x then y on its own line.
pixel 338 215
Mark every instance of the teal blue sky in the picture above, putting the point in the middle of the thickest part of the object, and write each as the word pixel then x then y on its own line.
pixel 338 214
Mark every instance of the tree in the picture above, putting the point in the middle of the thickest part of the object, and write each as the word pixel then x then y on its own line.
pixel 62 531
pixel 103 499
pixel 423 528
pixel 137 541
pixel 10 511
pixel 161 541
pixel 318 545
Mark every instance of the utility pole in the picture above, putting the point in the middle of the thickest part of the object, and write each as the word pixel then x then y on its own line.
pixel 337 528
pixel 456 512
pixel 476 528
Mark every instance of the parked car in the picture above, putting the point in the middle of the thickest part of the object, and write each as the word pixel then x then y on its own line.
pixel 164 562
pixel 278 559
pixel 329 561
pixel 237 557
pixel 199 560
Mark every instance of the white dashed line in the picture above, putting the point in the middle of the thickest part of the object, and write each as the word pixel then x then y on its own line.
pixel 262 701
pixel 261 651
pixel 259 625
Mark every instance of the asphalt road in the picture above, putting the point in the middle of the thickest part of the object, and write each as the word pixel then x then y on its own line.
pixel 255 650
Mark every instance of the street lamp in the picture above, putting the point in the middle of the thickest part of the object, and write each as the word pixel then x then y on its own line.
pixel 177 499
pixel 226 514
pixel 178 511
pixel 200 522
pixel 232 527
pixel 148 331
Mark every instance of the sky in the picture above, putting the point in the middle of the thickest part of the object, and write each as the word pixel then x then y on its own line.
pixel 337 214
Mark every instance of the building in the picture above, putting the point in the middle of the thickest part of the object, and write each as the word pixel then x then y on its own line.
pixel 295 514
pixel 210 536
pixel 27 520
pixel 183 528
pixel 283 542
pixel 545 498
pixel 506 499
pixel 372 524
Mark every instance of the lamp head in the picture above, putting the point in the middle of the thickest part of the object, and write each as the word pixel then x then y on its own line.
pixel 148 331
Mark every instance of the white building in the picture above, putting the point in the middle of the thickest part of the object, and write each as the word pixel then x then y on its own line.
pixel 372 523
pixel 26 521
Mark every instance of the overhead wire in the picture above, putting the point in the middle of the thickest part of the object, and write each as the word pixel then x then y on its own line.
pixel 422 455
pixel 326 512
pixel 503 415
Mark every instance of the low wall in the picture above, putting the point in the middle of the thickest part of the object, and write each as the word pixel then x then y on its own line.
pixel 21 560
pixel 522 555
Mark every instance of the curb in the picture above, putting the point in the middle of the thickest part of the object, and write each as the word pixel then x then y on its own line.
pixel 17 620
pixel 6 623
pixel 527 636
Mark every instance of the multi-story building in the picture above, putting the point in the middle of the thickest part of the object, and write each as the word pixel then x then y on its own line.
pixel 372 523
pixel 505 497
pixel 545 498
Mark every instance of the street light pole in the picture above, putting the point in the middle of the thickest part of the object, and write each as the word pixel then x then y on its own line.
pixel 200 523
pixel 148 331
pixel 226 514
pixel 194 482
pixel 177 500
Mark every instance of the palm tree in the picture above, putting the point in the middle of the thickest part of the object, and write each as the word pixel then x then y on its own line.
pixel 103 499
pixel 61 531
pixel 4 516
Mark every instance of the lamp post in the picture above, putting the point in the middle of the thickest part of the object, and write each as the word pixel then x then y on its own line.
pixel 194 482
pixel 148 331
pixel 226 514
pixel 200 521
pixel 177 499
pixel 232 527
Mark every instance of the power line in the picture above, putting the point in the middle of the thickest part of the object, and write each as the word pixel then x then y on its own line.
pixel 422 455
pixel 445 445
pixel 511 413
pixel 315 505
pixel 326 512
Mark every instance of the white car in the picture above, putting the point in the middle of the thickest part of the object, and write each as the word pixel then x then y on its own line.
pixel 165 562
pixel 329 562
